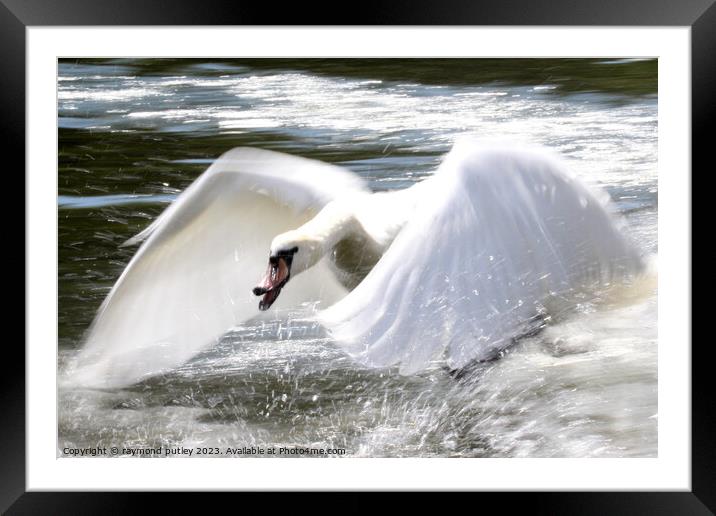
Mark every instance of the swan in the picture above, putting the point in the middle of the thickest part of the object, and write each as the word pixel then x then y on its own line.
pixel 452 268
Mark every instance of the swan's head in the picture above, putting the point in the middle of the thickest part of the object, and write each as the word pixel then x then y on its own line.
pixel 291 253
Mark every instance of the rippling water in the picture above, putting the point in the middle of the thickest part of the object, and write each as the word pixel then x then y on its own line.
pixel 134 133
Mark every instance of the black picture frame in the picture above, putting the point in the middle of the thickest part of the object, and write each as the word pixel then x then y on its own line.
pixel 16 15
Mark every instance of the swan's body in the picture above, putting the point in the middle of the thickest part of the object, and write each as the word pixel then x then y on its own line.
pixel 455 266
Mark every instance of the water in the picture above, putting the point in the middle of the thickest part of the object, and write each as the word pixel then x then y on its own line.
pixel 134 133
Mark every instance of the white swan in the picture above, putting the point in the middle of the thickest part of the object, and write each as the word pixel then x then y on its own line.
pixel 455 266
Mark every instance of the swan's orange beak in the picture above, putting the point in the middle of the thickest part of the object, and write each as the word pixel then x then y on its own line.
pixel 277 274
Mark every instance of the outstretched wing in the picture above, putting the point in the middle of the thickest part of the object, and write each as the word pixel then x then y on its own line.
pixel 191 280
pixel 499 236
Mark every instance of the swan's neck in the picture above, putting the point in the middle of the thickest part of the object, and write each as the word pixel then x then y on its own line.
pixel 332 224
pixel 317 237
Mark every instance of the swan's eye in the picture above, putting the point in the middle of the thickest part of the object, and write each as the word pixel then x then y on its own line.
pixel 286 252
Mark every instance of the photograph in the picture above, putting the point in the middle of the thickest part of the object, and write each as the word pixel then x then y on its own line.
pixel 357 257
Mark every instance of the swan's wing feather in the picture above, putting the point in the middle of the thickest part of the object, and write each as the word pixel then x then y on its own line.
pixel 297 182
pixel 499 236
pixel 191 279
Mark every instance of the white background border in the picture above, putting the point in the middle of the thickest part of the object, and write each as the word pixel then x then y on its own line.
pixel 671 470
